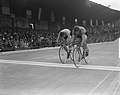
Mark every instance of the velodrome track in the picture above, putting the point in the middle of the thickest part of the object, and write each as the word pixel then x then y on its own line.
pixel 39 72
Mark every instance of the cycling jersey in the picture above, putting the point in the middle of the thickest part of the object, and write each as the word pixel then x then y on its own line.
pixel 65 35
pixel 78 31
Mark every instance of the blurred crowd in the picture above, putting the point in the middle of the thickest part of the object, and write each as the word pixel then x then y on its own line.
pixel 103 34
pixel 18 39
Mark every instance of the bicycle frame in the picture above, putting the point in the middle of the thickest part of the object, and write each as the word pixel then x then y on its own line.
pixel 67 51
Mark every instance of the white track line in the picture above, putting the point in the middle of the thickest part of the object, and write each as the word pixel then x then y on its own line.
pixel 37 63
pixel 108 68
pixel 90 93
pixel 115 91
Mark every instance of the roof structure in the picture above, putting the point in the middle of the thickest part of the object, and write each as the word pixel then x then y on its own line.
pixel 71 9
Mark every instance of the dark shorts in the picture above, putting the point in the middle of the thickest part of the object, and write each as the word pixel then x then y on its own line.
pixel 80 36
pixel 78 39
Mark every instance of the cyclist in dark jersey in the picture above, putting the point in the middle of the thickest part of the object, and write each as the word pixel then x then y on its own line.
pixel 79 37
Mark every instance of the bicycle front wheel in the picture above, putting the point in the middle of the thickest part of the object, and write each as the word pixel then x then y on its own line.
pixel 62 55
pixel 77 57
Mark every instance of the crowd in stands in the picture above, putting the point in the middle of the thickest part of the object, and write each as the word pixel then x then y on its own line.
pixel 18 38
pixel 103 34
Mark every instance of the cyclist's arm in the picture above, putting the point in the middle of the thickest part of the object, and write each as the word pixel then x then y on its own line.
pixel 73 39
pixel 60 41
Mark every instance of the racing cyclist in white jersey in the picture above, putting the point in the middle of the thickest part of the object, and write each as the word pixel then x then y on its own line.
pixel 64 38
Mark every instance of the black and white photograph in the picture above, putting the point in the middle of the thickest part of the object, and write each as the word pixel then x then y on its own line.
pixel 59 47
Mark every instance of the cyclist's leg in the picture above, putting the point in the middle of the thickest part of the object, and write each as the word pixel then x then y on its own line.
pixel 66 48
pixel 63 44
pixel 78 43
pixel 69 44
pixel 85 47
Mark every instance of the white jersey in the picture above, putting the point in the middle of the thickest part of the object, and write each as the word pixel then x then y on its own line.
pixel 67 33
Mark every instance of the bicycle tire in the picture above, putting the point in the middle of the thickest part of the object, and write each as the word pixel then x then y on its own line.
pixel 77 60
pixel 62 54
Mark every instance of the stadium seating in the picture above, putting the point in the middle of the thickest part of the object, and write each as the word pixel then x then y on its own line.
pixel 15 38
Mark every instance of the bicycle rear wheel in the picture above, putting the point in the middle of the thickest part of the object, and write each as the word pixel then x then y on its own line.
pixel 77 57
pixel 62 55
pixel 87 58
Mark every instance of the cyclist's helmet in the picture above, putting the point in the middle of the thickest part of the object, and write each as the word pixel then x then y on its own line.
pixel 62 34
pixel 76 28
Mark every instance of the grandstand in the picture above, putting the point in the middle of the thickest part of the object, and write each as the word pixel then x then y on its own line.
pixel 30 24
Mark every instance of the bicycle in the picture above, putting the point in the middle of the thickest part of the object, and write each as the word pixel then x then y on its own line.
pixel 64 54
pixel 78 56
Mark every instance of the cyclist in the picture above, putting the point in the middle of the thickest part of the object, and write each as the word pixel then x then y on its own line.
pixel 79 37
pixel 64 38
